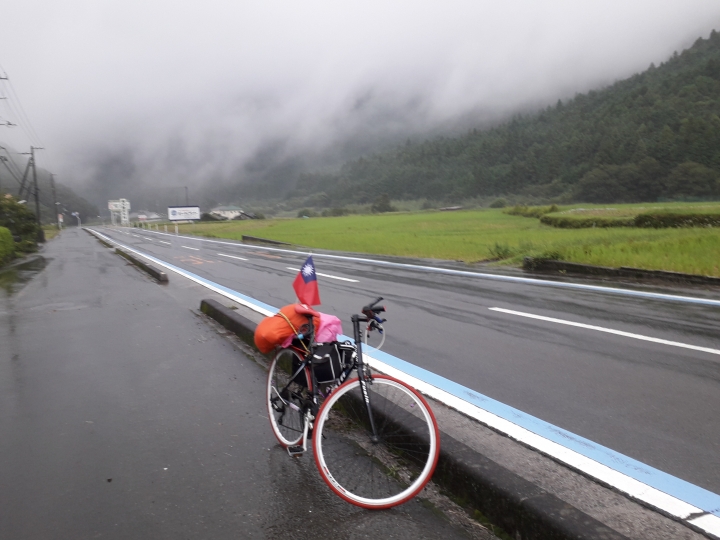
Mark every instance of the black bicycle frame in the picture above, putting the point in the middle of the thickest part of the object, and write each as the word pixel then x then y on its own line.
pixel 356 320
pixel 359 364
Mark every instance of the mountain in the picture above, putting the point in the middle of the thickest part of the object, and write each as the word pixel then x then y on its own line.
pixel 654 136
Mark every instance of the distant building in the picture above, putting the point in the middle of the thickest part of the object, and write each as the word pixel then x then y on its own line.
pixel 227 212
pixel 144 215
pixel 119 211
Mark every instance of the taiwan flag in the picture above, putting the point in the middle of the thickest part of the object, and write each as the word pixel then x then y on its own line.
pixel 305 284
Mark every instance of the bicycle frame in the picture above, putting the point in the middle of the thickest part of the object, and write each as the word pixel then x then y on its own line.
pixel 364 376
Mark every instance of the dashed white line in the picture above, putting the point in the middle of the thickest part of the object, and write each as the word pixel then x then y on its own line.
pixel 327 275
pixel 232 256
pixel 188 247
pixel 164 242
pixel 608 330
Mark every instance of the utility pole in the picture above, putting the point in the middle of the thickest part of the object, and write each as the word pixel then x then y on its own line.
pixel 24 178
pixel 55 204
pixel 41 233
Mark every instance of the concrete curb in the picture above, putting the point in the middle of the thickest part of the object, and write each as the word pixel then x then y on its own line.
pixel 546 265
pixel 159 275
pixel 519 507
pixel 258 240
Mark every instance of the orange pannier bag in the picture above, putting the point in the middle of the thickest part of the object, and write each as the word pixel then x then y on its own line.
pixel 272 331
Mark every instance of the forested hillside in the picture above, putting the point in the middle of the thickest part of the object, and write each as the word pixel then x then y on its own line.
pixel 654 136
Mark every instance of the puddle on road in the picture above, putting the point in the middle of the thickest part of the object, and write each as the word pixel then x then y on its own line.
pixel 13 278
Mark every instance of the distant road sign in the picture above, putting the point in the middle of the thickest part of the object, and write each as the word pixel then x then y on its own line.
pixel 179 213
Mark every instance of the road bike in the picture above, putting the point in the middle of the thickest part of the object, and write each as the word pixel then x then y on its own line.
pixel 374 438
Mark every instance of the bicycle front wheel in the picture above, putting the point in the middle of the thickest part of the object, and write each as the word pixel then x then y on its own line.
pixel 285 397
pixel 377 472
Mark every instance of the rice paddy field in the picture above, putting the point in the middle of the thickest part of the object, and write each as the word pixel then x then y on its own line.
pixel 489 235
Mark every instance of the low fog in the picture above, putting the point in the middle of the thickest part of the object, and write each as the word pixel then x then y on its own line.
pixel 139 98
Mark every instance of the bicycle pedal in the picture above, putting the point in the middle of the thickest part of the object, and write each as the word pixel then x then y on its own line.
pixel 295 451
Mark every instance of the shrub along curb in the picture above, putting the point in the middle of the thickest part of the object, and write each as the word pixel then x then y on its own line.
pixel 518 506
pixel 7 245
pixel 549 265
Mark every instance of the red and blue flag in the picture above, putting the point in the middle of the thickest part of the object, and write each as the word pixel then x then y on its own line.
pixel 305 284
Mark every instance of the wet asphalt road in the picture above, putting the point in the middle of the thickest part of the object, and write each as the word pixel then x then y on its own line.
pixel 653 402
pixel 125 415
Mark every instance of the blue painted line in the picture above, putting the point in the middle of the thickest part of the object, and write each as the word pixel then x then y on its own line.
pixel 676 487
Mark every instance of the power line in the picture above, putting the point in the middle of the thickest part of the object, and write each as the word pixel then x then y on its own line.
pixel 17 172
pixel 22 116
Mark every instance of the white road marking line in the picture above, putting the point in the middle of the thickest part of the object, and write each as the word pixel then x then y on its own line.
pixel 608 331
pixel 477 275
pixel 146 238
pixel 188 247
pixel 232 257
pixel 709 523
pixel 164 242
pixel 136 235
pixel 327 275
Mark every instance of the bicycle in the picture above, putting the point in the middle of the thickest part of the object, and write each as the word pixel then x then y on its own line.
pixel 374 438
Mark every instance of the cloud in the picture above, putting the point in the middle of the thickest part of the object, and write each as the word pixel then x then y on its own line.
pixel 187 93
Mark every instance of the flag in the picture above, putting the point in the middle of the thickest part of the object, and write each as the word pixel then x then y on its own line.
pixel 305 284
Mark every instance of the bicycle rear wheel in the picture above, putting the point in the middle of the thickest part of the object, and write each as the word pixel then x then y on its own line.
pixel 378 473
pixel 285 398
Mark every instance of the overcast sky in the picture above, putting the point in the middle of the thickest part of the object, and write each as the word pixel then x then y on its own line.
pixel 190 91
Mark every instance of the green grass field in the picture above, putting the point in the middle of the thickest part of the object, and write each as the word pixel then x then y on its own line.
pixel 490 235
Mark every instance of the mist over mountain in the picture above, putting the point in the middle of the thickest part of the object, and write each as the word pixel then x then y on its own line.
pixel 653 136
pixel 142 98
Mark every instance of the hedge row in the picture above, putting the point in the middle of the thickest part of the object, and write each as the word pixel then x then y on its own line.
pixel 531 211
pixel 662 221
pixel 563 222
pixel 7 245
pixel 652 221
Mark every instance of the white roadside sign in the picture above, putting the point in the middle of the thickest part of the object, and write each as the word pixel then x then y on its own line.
pixel 178 213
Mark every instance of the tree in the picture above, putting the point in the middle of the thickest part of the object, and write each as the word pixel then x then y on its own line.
pixel 691 180
pixel 598 186
pixel 21 222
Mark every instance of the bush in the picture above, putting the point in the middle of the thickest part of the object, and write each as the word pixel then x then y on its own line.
pixel 501 251
pixel 382 204
pixel 21 222
pixel 335 212
pixel 498 203
pixel 306 212
pixel 7 246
